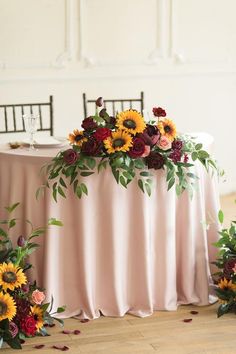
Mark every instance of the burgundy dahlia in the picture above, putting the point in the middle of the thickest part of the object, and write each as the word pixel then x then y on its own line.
pixel 177 145
pixel 159 112
pixel 137 149
pixel 155 160
pixel 23 309
pixel 70 156
pixel 89 124
pixel 92 147
pixel 175 156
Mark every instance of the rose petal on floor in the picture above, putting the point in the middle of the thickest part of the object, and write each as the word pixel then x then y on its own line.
pixel 194 312
pixel 22 341
pixel 39 346
pixel 63 348
pixel 77 331
pixel 187 320
pixel 84 320
pixel 66 331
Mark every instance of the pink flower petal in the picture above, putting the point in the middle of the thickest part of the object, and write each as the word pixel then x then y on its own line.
pixel 194 312
pixel 39 346
pixel 84 320
pixel 187 320
pixel 76 331
pixel 66 331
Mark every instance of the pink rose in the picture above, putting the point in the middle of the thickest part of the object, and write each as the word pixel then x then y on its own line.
pixel 164 143
pixel 146 151
pixel 38 297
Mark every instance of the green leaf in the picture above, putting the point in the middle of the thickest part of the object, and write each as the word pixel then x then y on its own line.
pixel 12 223
pixel 203 154
pixel 139 163
pixel 69 171
pixel 178 189
pixel 221 216
pixel 40 191
pixel 53 221
pixel 171 183
pixel 140 184
pixel 12 207
pixel 123 181
pixel 116 174
pixel 54 194
pixel 79 192
pixel 128 175
pixel 84 188
pixel 61 309
pixel 91 162
pixel 192 175
pixel 198 146
pixel 148 189
pixel 75 185
pixel 62 182
pixel 85 173
pixel 3 233
pixel 194 156
pixel 60 191
pixel 144 174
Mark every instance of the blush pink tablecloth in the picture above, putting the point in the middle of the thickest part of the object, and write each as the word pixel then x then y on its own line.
pixel 119 250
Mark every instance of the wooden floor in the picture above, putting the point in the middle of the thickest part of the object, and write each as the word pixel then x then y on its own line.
pixel 163 332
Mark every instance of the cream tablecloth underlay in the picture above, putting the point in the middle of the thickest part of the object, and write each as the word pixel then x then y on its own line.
pixel 119 250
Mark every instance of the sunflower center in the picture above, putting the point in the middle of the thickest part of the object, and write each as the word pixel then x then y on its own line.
pixel 9 277
pixel 3 308
pixel 78 137
pixel 118 142
pixel 129 123
pixel 167 129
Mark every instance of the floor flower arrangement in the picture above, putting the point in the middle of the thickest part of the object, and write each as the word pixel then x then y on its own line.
pixel 226 263
pixel 23 312
pixel 131 147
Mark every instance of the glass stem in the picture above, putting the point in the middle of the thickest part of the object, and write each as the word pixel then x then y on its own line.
pixel 31 141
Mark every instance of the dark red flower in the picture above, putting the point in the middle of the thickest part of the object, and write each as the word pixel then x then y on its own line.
pixel 23 309
pixel 89 124
pixel 76 332
pixel 152 130
pixel 28 325
pixel 159 112
pixel 70 156
pixel 177 145
pixel 92 147
pixel 137 148
pixel 155 160
pixel 175 156
pixel 39 346
pixel 187 320
pixel 185 158
pixel 102 133
pixel 99 102
pixel 228 268
pixel 21 241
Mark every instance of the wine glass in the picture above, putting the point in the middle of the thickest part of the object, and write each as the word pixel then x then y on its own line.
pixel 31 126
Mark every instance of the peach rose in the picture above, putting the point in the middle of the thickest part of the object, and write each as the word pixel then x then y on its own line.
pixel 38 297
pixel 164 143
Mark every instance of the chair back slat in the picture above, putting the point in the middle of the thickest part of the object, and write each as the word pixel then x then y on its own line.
pixel 13 116
pixel 114 103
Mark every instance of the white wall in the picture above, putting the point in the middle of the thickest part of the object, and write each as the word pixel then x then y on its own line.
pixel 181 53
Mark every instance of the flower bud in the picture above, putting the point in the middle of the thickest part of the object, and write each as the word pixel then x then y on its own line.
pixel 99 102
pixel 25 288
pixel 21 241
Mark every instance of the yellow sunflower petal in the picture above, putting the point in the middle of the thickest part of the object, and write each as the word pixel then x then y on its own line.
pixel 77 137
pixel 119 140
pixel 37 312
pixel 167 128
pixel 131 121
pixel 11 277
pixel 7 307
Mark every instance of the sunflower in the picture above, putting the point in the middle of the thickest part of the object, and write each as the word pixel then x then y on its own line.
pixel 225 284
pixel 131 121
pixel 37 313
pixel 77 137
pixel 118 141
pixel 7 307
pixel 167 128
pixel 11 277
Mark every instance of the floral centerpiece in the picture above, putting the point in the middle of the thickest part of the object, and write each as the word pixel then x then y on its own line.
pixel 226 276
pixel 23 312
pixel 131 147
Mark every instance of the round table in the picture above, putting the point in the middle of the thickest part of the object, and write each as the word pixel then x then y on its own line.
pixel 119 250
